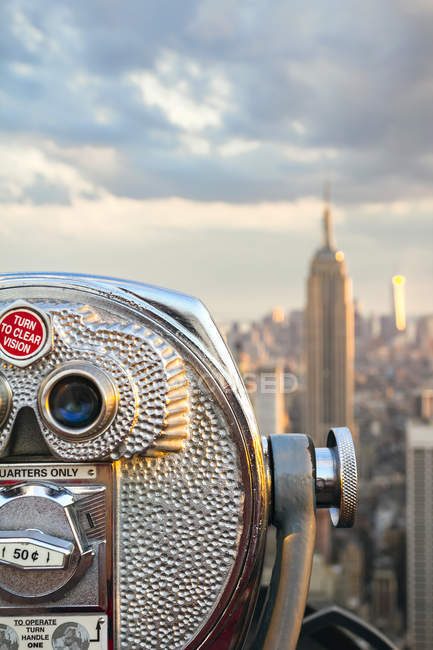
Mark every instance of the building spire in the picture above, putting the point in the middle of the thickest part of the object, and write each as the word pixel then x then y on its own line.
pixel 327 219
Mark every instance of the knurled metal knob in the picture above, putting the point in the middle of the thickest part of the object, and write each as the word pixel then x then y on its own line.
pixel 337 477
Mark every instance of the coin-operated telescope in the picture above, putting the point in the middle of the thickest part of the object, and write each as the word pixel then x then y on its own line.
pixel 135 489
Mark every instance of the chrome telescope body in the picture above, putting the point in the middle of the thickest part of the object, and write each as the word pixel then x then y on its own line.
pixel 135 489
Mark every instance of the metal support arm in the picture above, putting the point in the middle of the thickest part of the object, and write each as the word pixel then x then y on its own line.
pixel 301 476
pixel 292 463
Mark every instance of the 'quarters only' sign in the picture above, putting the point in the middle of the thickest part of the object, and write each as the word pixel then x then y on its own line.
pixel 24 334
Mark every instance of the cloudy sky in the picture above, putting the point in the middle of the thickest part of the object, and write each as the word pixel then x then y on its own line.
pixel 186 144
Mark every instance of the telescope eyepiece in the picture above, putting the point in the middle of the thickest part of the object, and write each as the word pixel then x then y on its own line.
pixel 78 400
pixel 75 402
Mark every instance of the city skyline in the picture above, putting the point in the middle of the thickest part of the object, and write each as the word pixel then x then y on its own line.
pixel 189 150
pixel 372 573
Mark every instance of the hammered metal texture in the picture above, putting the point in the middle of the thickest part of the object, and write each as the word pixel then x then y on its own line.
pixel 180 521
pixel 153 392
pixel 180 517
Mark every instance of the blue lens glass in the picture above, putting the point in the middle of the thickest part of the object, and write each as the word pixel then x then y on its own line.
pixel 75 402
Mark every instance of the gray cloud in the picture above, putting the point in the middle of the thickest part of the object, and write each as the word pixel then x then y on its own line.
pixel 312 91
pixel 357 76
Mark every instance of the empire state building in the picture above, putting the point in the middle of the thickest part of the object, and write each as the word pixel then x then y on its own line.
pixel 329 339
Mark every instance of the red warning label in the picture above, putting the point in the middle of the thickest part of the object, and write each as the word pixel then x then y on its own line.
pixel 22 333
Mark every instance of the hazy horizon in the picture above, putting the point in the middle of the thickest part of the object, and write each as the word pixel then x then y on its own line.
pixel 187 145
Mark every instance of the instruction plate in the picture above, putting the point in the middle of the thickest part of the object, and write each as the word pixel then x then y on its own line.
pixel 58 632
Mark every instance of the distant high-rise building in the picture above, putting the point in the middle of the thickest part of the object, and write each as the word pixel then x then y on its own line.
pixel 348 591
pixel 424 404
pixel 278 315
pixel 329 340
pixel 387 328
pixel 384 608
pixel 296 329
pixel 268 400
pixel 424 335
pixel 361 329
pixel 359 321
pixel 399 302
pixel 419 526
pixel 322 584
pixel 329 347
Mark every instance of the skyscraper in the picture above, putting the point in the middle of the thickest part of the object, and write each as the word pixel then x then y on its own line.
pixel 384 608
pixel 419 518
pixel 268 399
pixel 399 302
pixel 329 340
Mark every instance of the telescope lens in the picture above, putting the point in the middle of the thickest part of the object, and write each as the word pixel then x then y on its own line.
pixel 75 402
